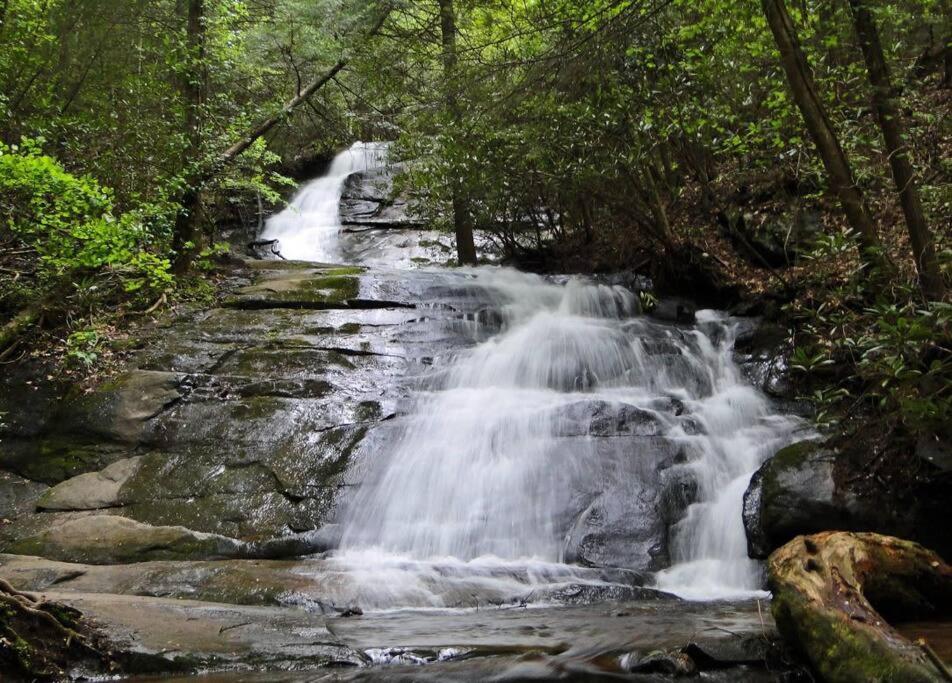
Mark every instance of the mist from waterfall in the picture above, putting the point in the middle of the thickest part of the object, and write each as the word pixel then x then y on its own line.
pixel 308 227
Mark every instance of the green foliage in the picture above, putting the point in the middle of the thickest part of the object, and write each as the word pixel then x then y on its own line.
pixel 894 357
pixel 68 241
pixel 82 347
pixel 648 300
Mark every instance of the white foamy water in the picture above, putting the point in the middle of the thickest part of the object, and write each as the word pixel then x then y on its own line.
pixel 492 467
pixel 542 447
pixel 307 229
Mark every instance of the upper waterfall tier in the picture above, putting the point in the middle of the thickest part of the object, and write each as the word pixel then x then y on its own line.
pixel 308 228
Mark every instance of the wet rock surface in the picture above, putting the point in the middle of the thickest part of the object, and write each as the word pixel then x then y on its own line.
pixel 368 201
pixel 236 421
pixel 810 486
pixel 247 419
pixel 235 435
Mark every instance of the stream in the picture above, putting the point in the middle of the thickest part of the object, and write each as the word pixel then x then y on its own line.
pixel 362 463
pixel 560 466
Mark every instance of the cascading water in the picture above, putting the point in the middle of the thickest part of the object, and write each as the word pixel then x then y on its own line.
pixel 307 229
pixel 570 434
pixel 511 445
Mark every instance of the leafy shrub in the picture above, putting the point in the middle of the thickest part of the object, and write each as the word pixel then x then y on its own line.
pixel 893 355
pixel 61 239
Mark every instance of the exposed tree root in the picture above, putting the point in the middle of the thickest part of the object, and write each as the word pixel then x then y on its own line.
pixel 42 640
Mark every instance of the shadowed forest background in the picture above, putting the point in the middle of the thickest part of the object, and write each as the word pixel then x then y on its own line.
pixel 661 137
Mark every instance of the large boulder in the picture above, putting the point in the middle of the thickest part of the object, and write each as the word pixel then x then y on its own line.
pixel 792 493
pixel 368 201
pixel 813 486
pixel 833 597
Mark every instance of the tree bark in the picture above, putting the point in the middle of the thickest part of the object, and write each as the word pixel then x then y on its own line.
pixel 885 103
pixel 465 245
pixel 825 591
pixel 192 87
pixel 821 130
pixel 656 203
pixel 262 128
pixel 12 330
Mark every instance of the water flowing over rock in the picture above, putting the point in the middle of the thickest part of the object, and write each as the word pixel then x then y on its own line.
pixel 579 432
pixel 363 438
pixel 305 230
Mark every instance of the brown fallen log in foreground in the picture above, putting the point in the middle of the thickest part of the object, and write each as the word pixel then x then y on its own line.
pixel 835 594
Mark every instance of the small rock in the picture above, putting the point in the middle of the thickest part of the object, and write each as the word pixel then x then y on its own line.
pixel 91 491
pixel 668 662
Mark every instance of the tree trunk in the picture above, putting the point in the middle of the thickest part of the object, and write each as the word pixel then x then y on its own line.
pixel 821 130
pixel 23 321
pixel 186 235
pixel 262 128
pixel 825 591
pixel 656 205
pixel 890 123
pixel 465 246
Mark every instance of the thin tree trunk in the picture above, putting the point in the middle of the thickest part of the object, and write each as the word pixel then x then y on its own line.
pixel 890 123
pixel 262 128
pixel 656 206
pixel 821 130
pixel 305 95
pixel 186 237
pixel 11 331
pixel 465 245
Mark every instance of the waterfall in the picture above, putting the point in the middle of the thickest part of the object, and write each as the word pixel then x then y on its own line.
pixel 308 228
pixel 511 444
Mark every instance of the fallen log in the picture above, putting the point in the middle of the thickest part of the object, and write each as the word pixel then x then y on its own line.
pixel 835 593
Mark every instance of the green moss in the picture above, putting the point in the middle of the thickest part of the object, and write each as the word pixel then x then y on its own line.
pixel 795 454
pixel 262 264
pixel 346 270
pixel 336 288
pixel 55 458
pixel 840 652
pixel 340 360
pixel 257 408
pixel 789 459
pixel 367 411
pixel 349 328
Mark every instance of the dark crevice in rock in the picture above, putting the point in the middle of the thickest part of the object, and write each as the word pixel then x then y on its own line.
pixel 250 304
pixel 166 407
pixel 221 360
pixel 354 352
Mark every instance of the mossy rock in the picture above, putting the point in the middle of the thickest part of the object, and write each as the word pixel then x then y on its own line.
pixel 123 409
pixel 325 289
pixel 792 493
pixel 109 539
pixel 58 457
pixel 826 591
